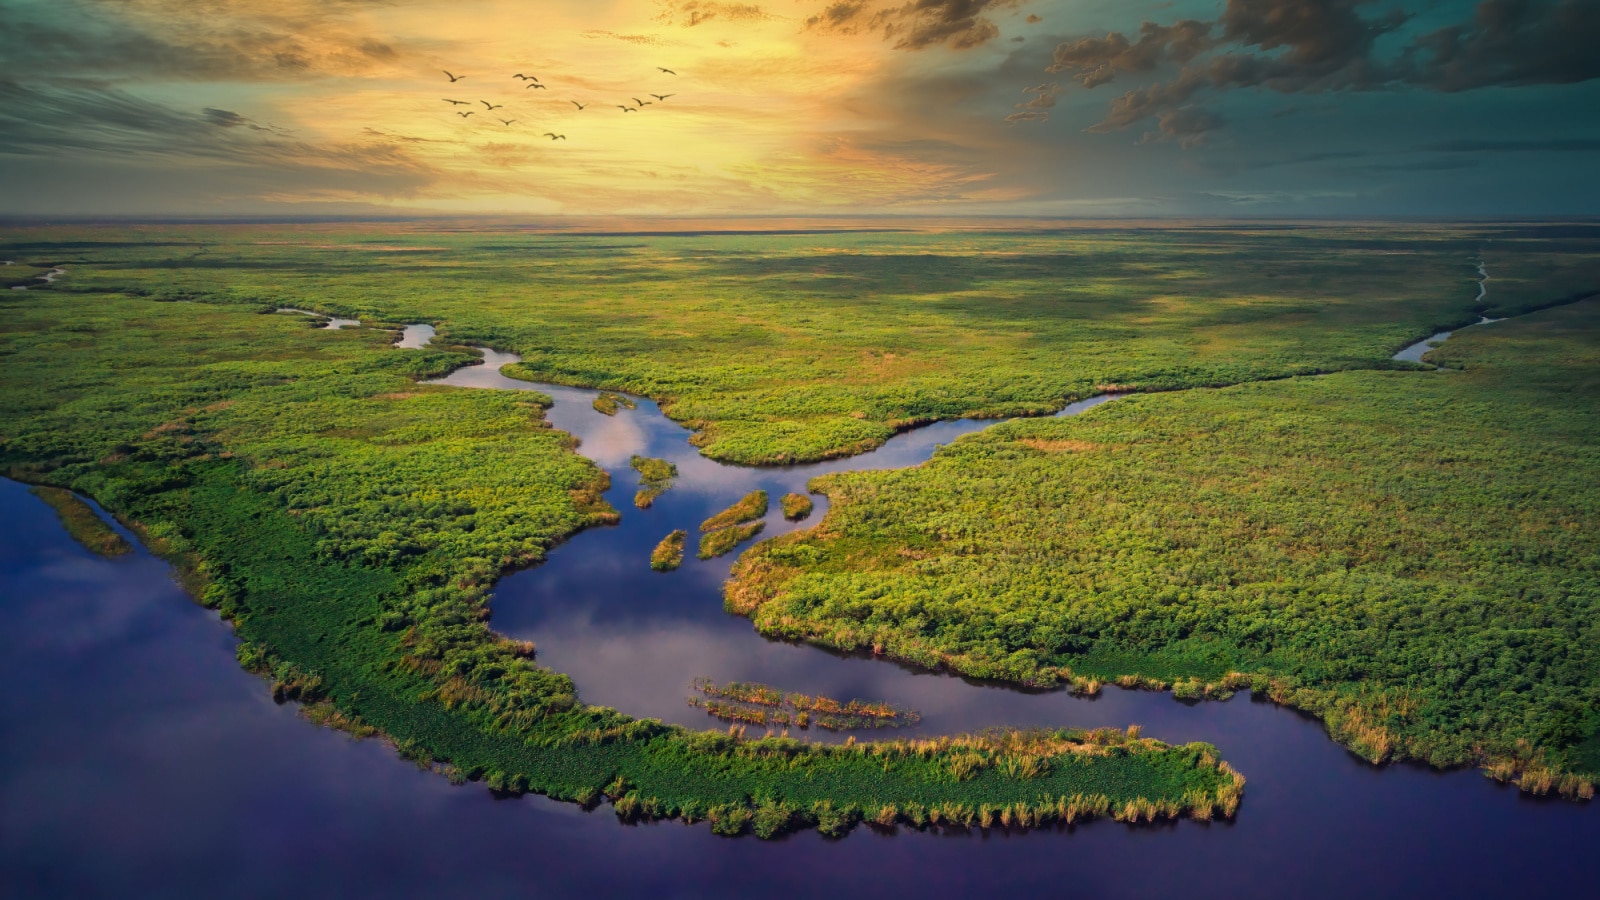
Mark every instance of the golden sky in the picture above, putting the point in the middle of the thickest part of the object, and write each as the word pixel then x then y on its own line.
pixel 768 112
pixel 796 107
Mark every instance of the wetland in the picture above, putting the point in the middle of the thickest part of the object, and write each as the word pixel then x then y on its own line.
pixel 482 580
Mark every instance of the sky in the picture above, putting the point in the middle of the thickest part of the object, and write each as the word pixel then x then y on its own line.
pixel 1116 108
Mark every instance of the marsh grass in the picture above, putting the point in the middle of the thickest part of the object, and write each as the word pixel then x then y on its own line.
pixel 656 476
pixel 723 540
pixel 668 554
pixel 1311 539
pixel 82 523
pixel 796 506
pixel 351 522
pixel 607 403
pixel 760 704
pixel 748 508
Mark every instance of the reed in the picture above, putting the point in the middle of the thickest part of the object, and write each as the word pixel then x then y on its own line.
pixel 742 691
pixel 801 710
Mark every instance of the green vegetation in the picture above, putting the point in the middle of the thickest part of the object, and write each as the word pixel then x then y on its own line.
pixel 668 554
pixel 608 403
pixel 82 523
pixel 750 507
pixel 760 704
pixel 350 522
pixel 1411 556
pixel 796 506
pixel 780 348
pixel 1408 558
pixel 723 540
pixel 728 529
pixel 655 477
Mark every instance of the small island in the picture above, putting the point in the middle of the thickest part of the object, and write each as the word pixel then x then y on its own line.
pixel 668 554
pixel 655 478
pixel 608 402
pixel 796 506
pixel 734 525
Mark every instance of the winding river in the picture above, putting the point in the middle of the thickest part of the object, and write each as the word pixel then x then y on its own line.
pixel 1415 352
pixel 139 758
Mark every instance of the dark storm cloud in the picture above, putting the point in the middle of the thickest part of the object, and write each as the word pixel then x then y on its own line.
pixel 917 24
pixel 1308 46
pixel 86 121
pixel 1513 42
pixel 1097 61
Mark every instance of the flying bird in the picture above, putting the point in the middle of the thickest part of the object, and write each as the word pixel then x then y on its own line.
pixel 555 137
pixel 453 78
pixel 533 84
pixel 627 108
pixel 576 103
pixel 663 97
pixel 525 77
pixel 457 102
pixel 463 115
pixel 508 121
pixel 491 107
pixel 668 71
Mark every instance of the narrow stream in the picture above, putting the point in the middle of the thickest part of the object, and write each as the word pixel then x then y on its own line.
pixel 1415 352
pixel 634 638
pixel 48 277
pixel 334 323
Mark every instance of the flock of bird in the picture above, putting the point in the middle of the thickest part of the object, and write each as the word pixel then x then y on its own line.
pixel 533 83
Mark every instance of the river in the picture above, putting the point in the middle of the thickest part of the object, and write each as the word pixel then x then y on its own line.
pixel 139 758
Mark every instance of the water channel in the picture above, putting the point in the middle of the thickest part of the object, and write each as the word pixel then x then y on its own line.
pixel 139 758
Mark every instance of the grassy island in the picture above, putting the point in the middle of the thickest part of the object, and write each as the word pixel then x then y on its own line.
pixel 668 554
pixel 796 506
pixel 655 478
pixel 748 508
pixel 607 403
pixel 760 704
pixel 723 540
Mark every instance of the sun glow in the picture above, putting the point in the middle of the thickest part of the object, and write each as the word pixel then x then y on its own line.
pixel 758 113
